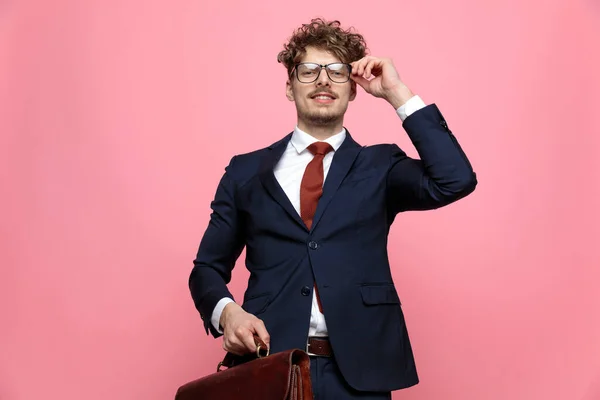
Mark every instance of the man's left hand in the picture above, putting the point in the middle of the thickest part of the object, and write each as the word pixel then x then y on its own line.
pixel 386 83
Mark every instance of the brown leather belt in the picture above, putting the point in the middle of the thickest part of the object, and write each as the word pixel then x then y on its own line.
pixel 319 346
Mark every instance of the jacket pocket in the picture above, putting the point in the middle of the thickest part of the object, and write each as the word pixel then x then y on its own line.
pixel 257 304
pixel 379 294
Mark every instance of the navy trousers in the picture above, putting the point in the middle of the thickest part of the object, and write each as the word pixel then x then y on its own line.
pixel 329 384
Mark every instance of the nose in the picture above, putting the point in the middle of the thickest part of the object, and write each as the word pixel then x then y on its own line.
pixel 323 79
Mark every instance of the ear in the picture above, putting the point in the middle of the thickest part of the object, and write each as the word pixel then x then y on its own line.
pixel 352 90
pixel 289 91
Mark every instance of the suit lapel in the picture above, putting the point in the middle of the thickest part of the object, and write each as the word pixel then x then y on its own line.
pixel 342 161
pixel 267 177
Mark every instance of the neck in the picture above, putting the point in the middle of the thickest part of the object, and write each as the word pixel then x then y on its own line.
pixel 321 131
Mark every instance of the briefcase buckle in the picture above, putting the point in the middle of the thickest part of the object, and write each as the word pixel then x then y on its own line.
pixel 258 355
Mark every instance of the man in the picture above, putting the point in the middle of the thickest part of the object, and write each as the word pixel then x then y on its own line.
pixel 314 210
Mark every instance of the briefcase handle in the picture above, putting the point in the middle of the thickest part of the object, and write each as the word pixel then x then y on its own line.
pixel 231 360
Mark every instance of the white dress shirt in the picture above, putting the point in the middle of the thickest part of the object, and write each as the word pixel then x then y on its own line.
pixel 288 172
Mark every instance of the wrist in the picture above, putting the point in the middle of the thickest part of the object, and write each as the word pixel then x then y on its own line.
pixel 399 95
pixel 228 310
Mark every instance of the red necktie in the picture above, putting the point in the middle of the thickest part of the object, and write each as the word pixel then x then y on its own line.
pixel 311 188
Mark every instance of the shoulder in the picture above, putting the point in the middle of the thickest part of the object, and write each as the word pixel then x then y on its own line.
pixel 381 153
pixel 380 157
pixel 243 167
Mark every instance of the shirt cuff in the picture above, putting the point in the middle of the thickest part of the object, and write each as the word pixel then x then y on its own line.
pixel 413 104
pixel 216 315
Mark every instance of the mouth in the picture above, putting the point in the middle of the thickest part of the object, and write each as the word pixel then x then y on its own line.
pixel 323 98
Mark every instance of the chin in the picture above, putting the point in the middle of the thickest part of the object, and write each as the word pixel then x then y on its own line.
pixel 323 119
pixel 324 113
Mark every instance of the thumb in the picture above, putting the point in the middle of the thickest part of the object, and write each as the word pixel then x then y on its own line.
pixel 364 83
pixel 261 331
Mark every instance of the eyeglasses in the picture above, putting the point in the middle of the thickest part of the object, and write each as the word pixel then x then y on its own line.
pixel 309 72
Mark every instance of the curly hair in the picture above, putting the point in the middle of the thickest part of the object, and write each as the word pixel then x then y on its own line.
pixel 347 45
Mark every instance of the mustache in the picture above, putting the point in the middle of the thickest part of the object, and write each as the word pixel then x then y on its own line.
pixel 322 91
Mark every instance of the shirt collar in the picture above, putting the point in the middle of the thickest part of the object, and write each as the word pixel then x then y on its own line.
pixel 301 140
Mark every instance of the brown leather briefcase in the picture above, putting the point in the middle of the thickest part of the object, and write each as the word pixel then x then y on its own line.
pixel 279 376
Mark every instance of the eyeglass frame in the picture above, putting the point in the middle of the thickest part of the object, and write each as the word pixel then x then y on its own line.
pixel 321 67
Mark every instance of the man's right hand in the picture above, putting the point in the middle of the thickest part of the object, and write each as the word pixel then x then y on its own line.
pixel 239 328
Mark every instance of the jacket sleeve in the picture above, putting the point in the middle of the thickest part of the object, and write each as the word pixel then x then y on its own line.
pixel 442 175
pixel 219 249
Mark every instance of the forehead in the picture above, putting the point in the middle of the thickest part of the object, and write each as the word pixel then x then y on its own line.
pixel 319 56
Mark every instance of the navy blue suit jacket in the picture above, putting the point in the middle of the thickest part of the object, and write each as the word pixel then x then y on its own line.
pixel 345 251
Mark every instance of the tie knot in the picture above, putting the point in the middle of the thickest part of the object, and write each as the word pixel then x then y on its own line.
pixel 320 148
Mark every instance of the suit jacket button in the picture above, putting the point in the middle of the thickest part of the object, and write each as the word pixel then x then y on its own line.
pixel 444 124
pixel 313 245
pixel 305 291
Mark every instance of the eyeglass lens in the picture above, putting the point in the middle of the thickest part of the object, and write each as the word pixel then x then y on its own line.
pixel 309 72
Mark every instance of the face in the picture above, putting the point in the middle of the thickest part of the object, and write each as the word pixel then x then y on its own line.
pixel 315 111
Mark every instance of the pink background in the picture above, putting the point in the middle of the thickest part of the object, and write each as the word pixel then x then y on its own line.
pixel 118 117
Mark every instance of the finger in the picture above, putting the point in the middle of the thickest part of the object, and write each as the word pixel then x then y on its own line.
pixel 237 350
pixel 230 340
pixel 234 347
pixel 363 63
pixel 261 331
pixel 247 340
pixel 357 65
pixel 369 67
pixel 227 347
pixel 241 339
pixel 364 83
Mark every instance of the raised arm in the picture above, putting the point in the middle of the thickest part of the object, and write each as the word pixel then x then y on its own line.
pixel 441 176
